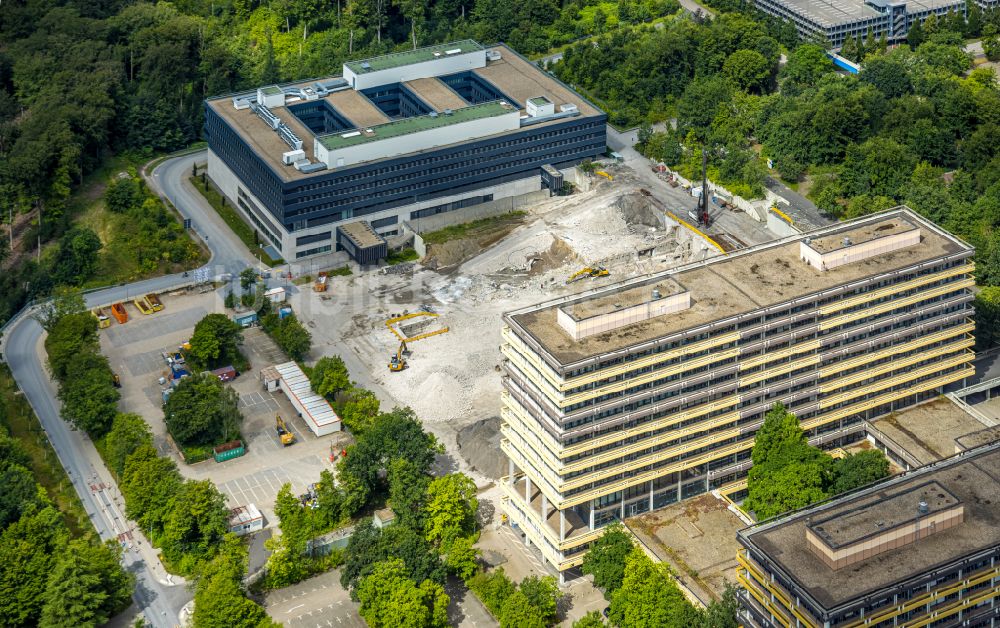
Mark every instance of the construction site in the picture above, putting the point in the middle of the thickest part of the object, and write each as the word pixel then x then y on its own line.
pixel 427 334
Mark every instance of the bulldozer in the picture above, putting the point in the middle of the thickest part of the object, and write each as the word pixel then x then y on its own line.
pixel 397 361
pixel 285 434
pixel 593 273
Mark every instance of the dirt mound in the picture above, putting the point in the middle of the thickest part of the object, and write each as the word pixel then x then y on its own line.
pixel 558 255
pixel 479 444
pixel 638 210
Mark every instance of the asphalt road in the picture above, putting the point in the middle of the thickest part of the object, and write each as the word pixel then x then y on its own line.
pixel 160 601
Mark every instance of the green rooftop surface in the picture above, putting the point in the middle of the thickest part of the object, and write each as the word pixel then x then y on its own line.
pixel 271 90
pixel 406 126
pixel 540 100
pixel 409 57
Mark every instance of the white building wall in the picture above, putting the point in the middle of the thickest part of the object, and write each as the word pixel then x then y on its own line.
pixel 229 183
pixel 438 66
pixel 413 142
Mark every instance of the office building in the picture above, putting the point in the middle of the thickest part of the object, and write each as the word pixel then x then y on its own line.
pixel 395 138
pixel 922 549
pixel 630 397
pixel 836 20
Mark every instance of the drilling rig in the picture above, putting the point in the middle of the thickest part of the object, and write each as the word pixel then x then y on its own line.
pixel 703 218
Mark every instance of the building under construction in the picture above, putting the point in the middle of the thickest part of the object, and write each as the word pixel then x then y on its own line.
pixel 922 549
pixel 627 398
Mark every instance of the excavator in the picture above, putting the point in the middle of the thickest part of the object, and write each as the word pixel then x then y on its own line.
pixel 285 434
pixel 397 361
pixel 593 273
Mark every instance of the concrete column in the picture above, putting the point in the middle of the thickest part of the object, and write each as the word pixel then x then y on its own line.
pixel 510 471
pixel 591 514
pixel 545 508
pixel 562 579
pixel 651 496
pixel 562 525
pixel 527 489
pixel 623 506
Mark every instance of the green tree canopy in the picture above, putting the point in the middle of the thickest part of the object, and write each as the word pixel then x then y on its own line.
pixel 128 433
pixel 214 341
pixel 197 520
pixel 859 469
pixel 87 587
pixel 748 70
pixel 389 598
pixel 605 560
pixel 202 410
pixel 451 508
pixel 329 376
pixel 220 599
pixel 649 596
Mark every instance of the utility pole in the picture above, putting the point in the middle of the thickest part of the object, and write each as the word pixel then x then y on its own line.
pixel 39 255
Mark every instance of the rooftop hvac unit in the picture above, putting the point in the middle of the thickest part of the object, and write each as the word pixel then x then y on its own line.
pixel 289 136
pixel 447 112
pixel 493 55
pixel 433 114
pixel 366 66
pixel 350 134
pixel 301 163
pixel 566 108
pixel 453 51
pixel 292 156
pixel 437 54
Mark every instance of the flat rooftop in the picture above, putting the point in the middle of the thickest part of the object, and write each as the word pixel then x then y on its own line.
pixel 357 108
pixel 729 285
pixel 972 479
pixel 624 299
pixel 928 431
pixel 978 439
pixel 514 76
pixel 405 126
pixel 409 57
pixel 833 12
pixel 848 527
pixel 860 235
pixel 435 93
pixel 362 234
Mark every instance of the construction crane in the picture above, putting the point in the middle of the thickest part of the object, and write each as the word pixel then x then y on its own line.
pixel 397 361
pixel 285 434
pixel 703 218
pixel 593 273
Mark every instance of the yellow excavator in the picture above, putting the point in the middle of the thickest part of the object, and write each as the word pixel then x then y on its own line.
pixel 397 361
pixel 593 273
pixel 285 434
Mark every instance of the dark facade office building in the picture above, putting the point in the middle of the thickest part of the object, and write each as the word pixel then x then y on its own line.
pixel 922 549
pixel 396 138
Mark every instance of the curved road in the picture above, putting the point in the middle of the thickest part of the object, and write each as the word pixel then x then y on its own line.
pixel 159 599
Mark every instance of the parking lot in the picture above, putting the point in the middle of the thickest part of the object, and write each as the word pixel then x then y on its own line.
pixel 135 352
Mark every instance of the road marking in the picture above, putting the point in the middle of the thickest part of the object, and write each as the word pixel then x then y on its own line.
pixel 294 607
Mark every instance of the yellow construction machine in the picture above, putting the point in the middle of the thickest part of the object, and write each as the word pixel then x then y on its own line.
pixel 285 434
pixel 593 273
pixel 397 361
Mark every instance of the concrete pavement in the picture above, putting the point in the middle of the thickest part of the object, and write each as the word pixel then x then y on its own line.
pixel 159 599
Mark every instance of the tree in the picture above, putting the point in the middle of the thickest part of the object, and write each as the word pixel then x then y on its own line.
pixel 748 70
pixel 122 194
pixel 390 598
pixel 65 300
pixel 649 596
pixel 28 550
pixel 87 587
pixel 202 410
pixel 148 484
pixel 915 35
pixel 461 557
pixel 196 523
pixel 20 493
pixel 286 566
pixel 806 65
pixel 214 340
pixel 72 335
pixel 77 257
pixel 219 598
pixel 605 560
pixel 369 545
pixel 329 376
pixel 859 469
pixel 89 397
pixel 408 492
pixel 721 613
pixel 592 619
pixel 542 594
pixel 248 277
pixel 879 167
pixel 451 508
pixel 359 410
pixel 518 612
pixel 700 103
pixel 128 433
pixel 493 589
pixel 987 304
